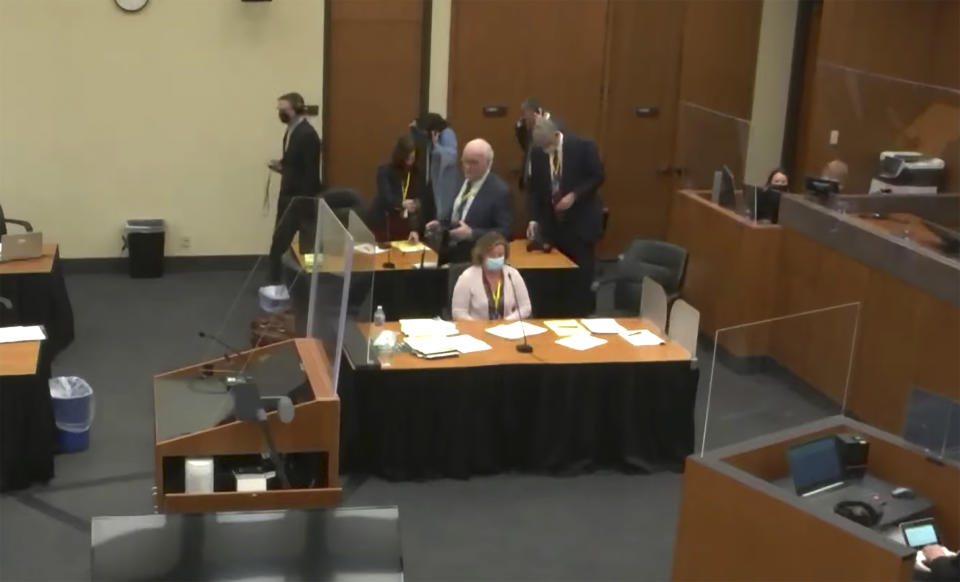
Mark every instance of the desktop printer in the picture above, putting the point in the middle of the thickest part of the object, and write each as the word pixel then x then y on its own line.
pixel 907 173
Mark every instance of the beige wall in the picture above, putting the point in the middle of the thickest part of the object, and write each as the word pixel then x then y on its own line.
pixel 439 55
pixel 771 89
pixel 167 113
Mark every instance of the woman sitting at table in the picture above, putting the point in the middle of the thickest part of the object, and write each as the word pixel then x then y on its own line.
pixel 490 289
pixel 401 209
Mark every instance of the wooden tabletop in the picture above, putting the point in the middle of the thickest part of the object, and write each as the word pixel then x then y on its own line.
pixel 19 359
pixel 520 258
pixel 43 264
pixel 899 223
pixel 545 349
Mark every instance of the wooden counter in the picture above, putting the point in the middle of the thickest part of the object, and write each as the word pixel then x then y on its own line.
pixel 42 264
pixel 19 359
pixel 731 269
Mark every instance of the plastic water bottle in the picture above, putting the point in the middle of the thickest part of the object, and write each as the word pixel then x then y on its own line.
pixel 379 317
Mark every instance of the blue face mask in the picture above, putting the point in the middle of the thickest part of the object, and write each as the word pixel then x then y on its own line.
pixel 495 263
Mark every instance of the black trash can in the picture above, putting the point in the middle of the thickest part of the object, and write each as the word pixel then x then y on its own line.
pixel 145 238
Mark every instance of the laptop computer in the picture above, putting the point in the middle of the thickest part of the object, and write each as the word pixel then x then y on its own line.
pixel 21 246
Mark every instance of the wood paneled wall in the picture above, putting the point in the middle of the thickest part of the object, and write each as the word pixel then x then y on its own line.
pixel 718 64
pixel 887 77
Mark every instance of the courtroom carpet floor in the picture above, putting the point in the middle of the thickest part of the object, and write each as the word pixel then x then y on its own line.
pixel 601 526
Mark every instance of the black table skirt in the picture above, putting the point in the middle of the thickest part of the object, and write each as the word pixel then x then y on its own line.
pixel 406 293
pixel 40 299
pixel 27 430
pixel 420 424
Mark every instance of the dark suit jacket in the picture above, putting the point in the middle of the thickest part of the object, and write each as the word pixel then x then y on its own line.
pixel 491 210
pixel 389 199
pixel 582 175
pixel 300 164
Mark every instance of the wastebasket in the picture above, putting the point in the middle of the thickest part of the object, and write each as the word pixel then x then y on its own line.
pixel 73 408
pixel 145 238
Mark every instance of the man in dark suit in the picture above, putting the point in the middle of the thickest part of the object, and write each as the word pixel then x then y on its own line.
pixel 299 169
pixel 531 111
pixel 482 204
pixel 565 209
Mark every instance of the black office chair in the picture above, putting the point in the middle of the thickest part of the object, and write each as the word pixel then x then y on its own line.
pixel 665 263
pixel 456 269
pixel 4 221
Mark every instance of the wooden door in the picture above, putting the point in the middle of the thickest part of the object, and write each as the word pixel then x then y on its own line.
pixel 372 86
pixel 503 51
pixel 639 118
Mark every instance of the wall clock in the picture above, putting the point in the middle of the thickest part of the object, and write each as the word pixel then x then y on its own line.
pixel 131 5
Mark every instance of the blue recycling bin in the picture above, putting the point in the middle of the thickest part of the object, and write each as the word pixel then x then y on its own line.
pixel 73 408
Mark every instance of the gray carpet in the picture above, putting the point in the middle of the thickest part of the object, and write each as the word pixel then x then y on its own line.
pixel 602 526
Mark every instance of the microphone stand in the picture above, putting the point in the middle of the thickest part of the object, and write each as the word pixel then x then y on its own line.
pixel 525 347
pixel 423 254
pixel 389 264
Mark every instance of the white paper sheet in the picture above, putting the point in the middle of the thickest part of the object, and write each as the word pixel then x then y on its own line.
pixel 466 344
pixel 426 265
pixel 513 331
pixel 369 249
pixel 427 345
pixel 581 341
pixel 427 327
pixel 21 333
pixel 565 327
pixel 642 337
pixel 603 325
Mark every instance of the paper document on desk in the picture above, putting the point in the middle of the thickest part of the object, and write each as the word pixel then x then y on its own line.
pixel 581 341
pixel 565 327
pixel 428 345
pixel 368 249
pixel 21 333
pixel 466 344
pixel 603 325
pixel 514 331
pixel 642 337
pixel 427 327
pixel 405 246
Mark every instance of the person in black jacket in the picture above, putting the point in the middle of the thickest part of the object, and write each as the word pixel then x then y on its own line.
pixel 402 202
pixel 564 207
pixel 299 169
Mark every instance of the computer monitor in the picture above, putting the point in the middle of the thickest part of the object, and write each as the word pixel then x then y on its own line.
pixel 723 193
pixel 815 465
pixel 767 205
pixel 822 187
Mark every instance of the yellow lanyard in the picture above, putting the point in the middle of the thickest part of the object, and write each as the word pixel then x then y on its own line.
pixel 496 295
pixel 555 163
pixel 406 185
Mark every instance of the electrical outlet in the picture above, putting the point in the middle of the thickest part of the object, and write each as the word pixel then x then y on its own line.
pixel 834 137
pixel 185 242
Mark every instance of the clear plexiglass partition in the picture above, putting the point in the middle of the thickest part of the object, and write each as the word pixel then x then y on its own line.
pixel 932 421
pixel 776 374
pixel 311 260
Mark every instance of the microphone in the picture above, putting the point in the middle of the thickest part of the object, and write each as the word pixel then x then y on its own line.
pixel 389 264
pixel 525 347
pixel 227 356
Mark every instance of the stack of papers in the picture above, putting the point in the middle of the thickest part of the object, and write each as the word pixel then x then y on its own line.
pixel 581 341
pixel 21 333
pixel 405 246
pixel 642 337
pixel 515 330
pixel 565 327
pixel 427 327
pixel 438 344
pixel 603 325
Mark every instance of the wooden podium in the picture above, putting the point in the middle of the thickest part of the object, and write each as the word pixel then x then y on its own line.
pixel 193 418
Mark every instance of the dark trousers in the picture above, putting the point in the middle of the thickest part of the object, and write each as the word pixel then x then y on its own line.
pixel 291 213
pixel 582 253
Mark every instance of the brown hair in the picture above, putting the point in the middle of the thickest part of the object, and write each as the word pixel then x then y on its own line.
pixel 486 243
pixel 401 150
